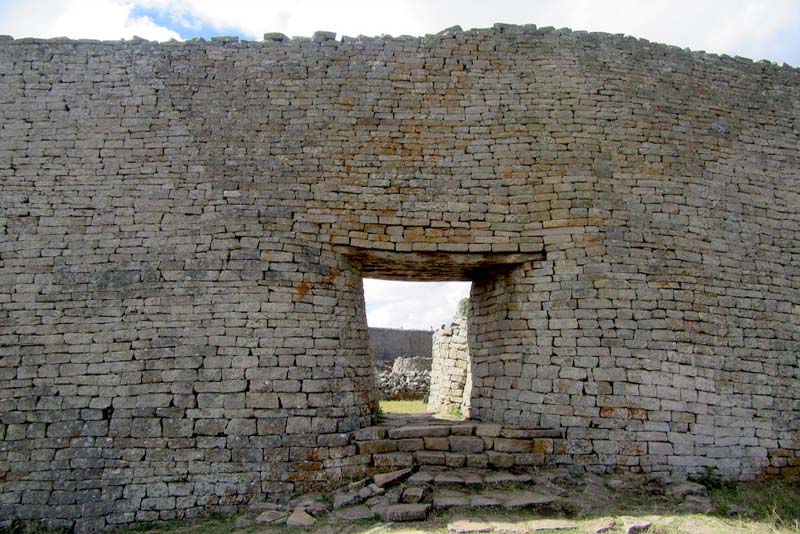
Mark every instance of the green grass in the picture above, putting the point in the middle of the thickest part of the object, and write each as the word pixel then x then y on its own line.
pixel 403 406
pixel 776 502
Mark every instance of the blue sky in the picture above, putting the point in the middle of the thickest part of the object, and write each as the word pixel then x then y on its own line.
pixel 758 29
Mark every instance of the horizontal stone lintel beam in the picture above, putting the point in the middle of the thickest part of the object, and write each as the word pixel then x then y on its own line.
pixel 434 266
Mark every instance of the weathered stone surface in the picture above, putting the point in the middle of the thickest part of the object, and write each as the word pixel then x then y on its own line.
pixel 340 500
pixel 413 494
pixel 352 513
pixel 551 524
pixel 697 504
pixel 442 502
pixel 422 477
pixel 687 488
pixel 418 432
pixel 300 518
pixel 467 526
pixel 634 525
pixel 598 526
pixel 525 499
pixel 386 479
pixel 393 459
pixel 271 516
pixel 404 512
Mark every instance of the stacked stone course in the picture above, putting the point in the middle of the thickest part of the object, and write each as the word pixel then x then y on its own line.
pixel 451 374
pixel 185 228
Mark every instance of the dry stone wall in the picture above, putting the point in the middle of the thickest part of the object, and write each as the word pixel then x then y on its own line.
pixel 451 374
pixel 391 343
pixel 185 228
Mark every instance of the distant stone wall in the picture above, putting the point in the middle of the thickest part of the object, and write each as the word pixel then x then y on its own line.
pixel 391 343
pixel 406 378
pixel 450 369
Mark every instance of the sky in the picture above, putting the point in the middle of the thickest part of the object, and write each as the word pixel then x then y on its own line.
pixel 757 29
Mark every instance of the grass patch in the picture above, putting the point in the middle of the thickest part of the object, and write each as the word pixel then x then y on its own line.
pixel 403 406
pixel 776 502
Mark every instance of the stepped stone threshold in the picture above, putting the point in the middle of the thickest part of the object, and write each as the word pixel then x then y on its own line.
pixel 185 227
pixel 405 440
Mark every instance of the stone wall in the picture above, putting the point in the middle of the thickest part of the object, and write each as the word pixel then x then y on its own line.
pixel 391 343
pixel 451 380
pixel 185 228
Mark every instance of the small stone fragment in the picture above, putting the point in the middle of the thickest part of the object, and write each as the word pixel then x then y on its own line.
pixel 369 491
pixel 385 479
pixel 270 516
pixel 350 498
pixel 358 484
pixel 300 518
pixel 413 494
pixel 632 526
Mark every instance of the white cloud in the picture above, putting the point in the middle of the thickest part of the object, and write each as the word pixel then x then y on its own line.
pixel 754 28
pixel 412 305
pixel 87 19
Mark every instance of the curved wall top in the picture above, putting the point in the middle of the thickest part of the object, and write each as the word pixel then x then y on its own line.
pixel 185 227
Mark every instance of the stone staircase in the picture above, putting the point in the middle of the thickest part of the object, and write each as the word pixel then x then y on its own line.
pixel 402 441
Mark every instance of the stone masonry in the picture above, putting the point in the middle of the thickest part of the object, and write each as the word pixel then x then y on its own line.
pixel 451 374
pixel 391 343
pixel 186 226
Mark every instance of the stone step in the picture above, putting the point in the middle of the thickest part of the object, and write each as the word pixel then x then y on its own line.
pixel 510 500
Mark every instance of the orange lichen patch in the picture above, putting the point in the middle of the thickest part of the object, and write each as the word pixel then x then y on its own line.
pixel 631 449
pixel 303 288
pixel 542 446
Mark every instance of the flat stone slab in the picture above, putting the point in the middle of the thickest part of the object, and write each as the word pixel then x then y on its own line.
pixel 468 526
pixel 525 499
pixel 504 477
pixel 353 513
pixel 418 431
pixel 551 524
pixel 386 479
pixel 448 477
pixel 300 518
pixel 404 512
pixel 442 502
pixel 422 477
pixel 483 501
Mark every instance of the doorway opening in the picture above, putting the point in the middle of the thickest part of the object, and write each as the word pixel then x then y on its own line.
pixel 405 320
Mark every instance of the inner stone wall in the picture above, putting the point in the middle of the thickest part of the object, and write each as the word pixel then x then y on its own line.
pixel 185 228
pixel 451 373
pixel 390 343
